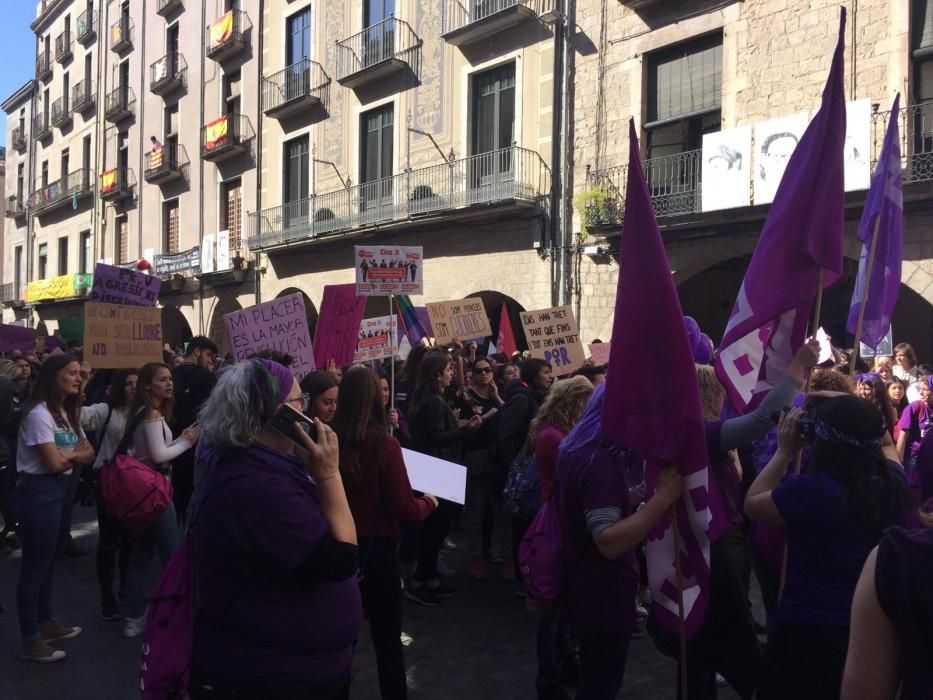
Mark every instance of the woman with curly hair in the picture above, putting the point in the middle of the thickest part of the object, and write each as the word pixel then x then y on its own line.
pixel 871 387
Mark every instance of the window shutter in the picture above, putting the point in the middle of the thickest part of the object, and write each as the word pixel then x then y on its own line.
pixel 685 82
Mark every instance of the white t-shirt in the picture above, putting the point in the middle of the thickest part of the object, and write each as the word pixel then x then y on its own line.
pixel 93 418
pixel 40 427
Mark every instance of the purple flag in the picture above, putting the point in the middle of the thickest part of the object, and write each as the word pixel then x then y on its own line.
pixel 802 236
pixel 639 414
pixel 415 319
pixel 885 205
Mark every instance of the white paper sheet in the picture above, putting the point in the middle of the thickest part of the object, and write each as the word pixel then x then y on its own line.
pixel 826 347
pixel 436 476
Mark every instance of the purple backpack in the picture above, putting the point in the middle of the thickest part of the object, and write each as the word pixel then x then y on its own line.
pixel 540 555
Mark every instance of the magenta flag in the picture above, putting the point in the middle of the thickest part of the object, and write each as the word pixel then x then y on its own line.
pixel 802 236
pixel 338 326
pixel 659 416
pixel 885 204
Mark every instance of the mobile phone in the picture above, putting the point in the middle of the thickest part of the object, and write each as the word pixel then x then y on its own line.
pixel 284 419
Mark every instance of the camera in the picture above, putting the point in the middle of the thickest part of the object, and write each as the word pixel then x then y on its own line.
pixel 805 422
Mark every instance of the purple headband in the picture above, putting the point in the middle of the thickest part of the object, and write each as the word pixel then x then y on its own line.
pixel 283 378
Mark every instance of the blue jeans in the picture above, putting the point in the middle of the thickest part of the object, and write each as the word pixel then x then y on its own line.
pixel 602 665
pixel 163 536
pixel 39 504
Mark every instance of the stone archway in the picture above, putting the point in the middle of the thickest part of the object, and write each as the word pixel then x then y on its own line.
pixel 310 308
pixel 216 330
pixel 175 327
pixel 493 301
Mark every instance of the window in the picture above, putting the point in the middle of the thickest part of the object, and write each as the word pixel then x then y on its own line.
pixel 20 181
pixel 86 160
pixel 63 255
pixel 379 40
pixel 374 11
pixel 231 93
pixel 297 167
pixel 376 149
pixel 493 109
pixel 231 205
pixel 170 226
pixel 921 44
pixel 18 271
pixel 123 83
pixel 232 5
pixel 66 91
pixel 46 103
pixel 86 254
pixel 88 66
pixel 45 174
pixel 298 37
pixel 122 243
pixel 171 48
pixel 43 260
pixel 66 162
pixel 171 122
pixel 123 161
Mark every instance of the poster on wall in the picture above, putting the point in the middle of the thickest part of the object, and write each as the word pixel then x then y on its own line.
pixel 727 168
pixel 223 251
pixel 775 141
pixel 207 253
pixel 858 145
pixel 385 270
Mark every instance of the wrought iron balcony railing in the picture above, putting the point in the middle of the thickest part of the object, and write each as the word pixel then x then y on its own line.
pixel 228 35
pixel 18 139
pixel 510 176
pixel 167 163
pixel 8 292
pixel 41 129
pixel 63 52
pixel 121 35
pixel 168 73
pixel 61 114
pixel 298 87
pixel 384 48
pixel 117 184
pixel 916 129
pixel 119 104
pixel 165 8
pixel 82 96
pixel 15 206
pixel 43 65
pixel 61 193
pixel 86 22
pixel 227 136
pixel 466 22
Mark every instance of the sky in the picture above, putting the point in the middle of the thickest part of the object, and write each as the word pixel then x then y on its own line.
pixel 17 62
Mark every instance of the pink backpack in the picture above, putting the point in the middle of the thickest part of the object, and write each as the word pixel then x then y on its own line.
pixel 540 555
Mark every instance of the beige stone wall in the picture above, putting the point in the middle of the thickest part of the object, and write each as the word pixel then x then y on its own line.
pixel 14 230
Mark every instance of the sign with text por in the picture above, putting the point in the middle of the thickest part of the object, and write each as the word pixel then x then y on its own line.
pixel 385 270
pixel 280 324
pixel 338 326
pixel 375 341
pixel 118 336
pixel 553 336
pixel 116 285
pixel 464 319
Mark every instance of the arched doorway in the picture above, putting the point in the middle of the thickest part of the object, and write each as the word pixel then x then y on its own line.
pixel 216 330
pixel 310 308
pixel 493 302
pixel 175 328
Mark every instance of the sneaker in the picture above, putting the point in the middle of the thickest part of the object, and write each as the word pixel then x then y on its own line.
pixel 477 569
pixel 422 595
pixel 38 650
pixel 443 590
pixel 449 544
pixel 55 631
pixel 134 626
pixel 110 612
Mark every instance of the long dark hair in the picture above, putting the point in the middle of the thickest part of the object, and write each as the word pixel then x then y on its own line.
pixel 316 383
pixel 876 495
pixel 359 413
pixel 880 398
pixel 116 392
pixel 141 400
pixel 46 391
pixel 426 385
pixel 413 363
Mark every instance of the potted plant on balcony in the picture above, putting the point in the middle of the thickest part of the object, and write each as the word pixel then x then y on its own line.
pixel 596 207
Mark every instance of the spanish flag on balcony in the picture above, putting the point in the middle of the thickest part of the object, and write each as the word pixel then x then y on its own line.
pixel 215 133
pixel 221 29
pixel 108 181
pixel 155 159
pixel 116 33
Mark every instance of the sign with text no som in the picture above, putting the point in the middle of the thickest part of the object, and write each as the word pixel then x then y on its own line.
pixel 465 319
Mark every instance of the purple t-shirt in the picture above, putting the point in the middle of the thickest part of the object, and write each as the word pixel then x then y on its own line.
pixel 258 621
pixel 600 593
pixel 725 485
pixel 916 420
pixel 826 546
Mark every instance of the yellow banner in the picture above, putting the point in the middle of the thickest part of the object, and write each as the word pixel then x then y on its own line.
pixel 221 29
pixel 108 180
pixel 116 33
pixel 215 133
pixel 155 159
pixel 62 287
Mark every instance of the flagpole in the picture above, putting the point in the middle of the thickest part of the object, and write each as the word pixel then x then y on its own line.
pixel 391 355
pixel 680 603
pixel 864 302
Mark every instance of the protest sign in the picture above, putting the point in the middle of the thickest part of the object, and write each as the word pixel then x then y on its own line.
pixel 17 338
pixel 885 347
pixel 280 324
pixel 115 285
pixel 338 326
pixel 436 476
pixel 188 261
pixel 463 319
pixel 599 353
pixel 553 336
pixel 121 336
pixel 374 341
pixel 385 270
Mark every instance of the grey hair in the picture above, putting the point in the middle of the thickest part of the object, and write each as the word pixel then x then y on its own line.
pixel 9 369
pixel 229 418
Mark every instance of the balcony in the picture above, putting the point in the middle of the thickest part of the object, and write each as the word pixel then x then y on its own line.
pixel 63 52
pixel 82 97
pixel 117 184
pixel 119 104
pixel 916 130
pixel 86 22
pixel 18 139
pixel 61 115
pixel 298 88
pixel 165 8
pixel 61 193
pixel 228 35
pixel 226 137
pixel 8 292
pixel 43 66
pixel 467 22
pixel 168 74
pixel 388 47
pixel 170 162
pixel 14 206
pixel 121 35
pixel 41 129
pixel 510 178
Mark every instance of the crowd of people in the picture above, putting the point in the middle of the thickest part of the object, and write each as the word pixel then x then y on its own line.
pixel 823 496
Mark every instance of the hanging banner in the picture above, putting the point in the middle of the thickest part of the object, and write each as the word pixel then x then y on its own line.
pixel 464 319
pixel 207 253
pixel 221 29
pixel 375 342
pixel 61 287
pixel 178 263
pixel 385 270
pixel 280 324
pixel 215 133
pixel 17 338
pixel 223 251
pixel 553 336
pixel 118 336
pixel 117 285
pixel 338 326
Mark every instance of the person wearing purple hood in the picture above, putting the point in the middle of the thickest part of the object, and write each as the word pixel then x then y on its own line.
pixel 277 550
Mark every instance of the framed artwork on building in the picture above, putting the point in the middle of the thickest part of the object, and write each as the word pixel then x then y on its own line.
pixel 858 145
pixel 727 168
pixel 775 141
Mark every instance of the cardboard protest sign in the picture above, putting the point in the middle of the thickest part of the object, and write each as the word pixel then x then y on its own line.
pixel 280 324
pixel 463 319
pixel 121 336
pixel 17 338
pixel 599 353
pixel 385 270
pixel 375 342
pixel 116 285
pixel 338 326
pixel 553 336
pixel 437 476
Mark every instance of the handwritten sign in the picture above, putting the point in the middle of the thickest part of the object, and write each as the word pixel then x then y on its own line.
pixel 280 324
pixel 375 342
pixel 599 353
pixel 338 326
pixel 121 336
pixel 116 285
pixel 17 338
pixel 385 270
pixel 458 319
pixel 553 336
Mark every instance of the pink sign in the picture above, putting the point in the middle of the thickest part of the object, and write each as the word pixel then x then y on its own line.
pixel 599 352
pixel 338 327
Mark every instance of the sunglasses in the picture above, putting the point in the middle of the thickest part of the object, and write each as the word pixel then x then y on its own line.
pixel 482 370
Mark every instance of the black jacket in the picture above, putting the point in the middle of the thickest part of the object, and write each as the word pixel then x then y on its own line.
pixel 434 429
pixel 193 386
pixel 521 406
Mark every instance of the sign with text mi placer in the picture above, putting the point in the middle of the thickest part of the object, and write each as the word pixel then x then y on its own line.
pixel 553 336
